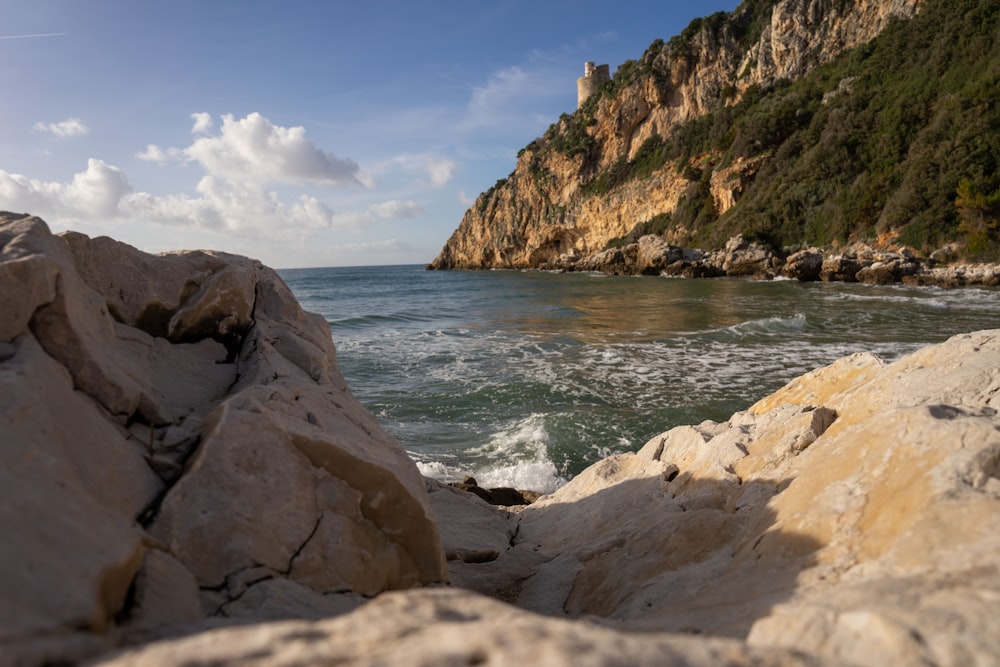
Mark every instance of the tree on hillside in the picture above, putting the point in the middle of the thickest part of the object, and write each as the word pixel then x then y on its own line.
pixel 980 217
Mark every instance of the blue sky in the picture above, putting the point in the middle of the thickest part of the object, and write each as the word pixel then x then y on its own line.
pixel 299 133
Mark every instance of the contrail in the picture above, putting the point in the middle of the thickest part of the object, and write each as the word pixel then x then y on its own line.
pixel 44 34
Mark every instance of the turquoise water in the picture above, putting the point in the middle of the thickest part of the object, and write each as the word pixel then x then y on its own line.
pixel 524 378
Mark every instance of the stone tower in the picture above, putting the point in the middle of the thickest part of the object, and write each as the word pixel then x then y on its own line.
pixel 593 77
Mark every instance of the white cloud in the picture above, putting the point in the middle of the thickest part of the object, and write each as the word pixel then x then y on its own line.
pixel 241 158
pixel 464 199
pixel 253 149
pixel 102 193
pixel 154 153
pixel 70 127
pixel 440 171
pixel 437 170
pixel 202 122
pixel 237 207
pixel 395 209
pixel 94 193
pixel 97 191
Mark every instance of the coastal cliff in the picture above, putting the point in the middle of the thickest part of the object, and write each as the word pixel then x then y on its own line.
pixel 186 479
pixel 794 123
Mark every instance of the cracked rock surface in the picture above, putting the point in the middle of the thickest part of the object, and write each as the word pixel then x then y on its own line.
pixel 168 424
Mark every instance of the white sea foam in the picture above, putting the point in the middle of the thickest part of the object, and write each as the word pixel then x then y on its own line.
pixel 515 457
pixel 540 476
pixel 433 469
pixel 518 457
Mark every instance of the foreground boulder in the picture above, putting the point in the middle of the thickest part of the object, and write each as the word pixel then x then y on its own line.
pixel 175 439
pixel 431 628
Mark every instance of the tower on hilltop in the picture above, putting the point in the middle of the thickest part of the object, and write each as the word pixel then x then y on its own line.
pixel 593 77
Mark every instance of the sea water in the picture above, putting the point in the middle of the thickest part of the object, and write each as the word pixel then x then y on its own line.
pixel 523 379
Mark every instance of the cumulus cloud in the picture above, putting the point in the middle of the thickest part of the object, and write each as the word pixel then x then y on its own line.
pixel 241 159
pixel 71 127
pixel 252 149
pixel 246 208
pixel 93 193
pixel 440 171
pixel 398 209
pixel 202 122
pixel 102 193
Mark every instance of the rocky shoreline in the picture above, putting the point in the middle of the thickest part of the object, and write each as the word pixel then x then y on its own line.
pixel 651 255
pixel 186 479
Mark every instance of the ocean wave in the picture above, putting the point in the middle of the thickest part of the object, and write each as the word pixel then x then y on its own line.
pixel 523 379
pixel 380 319
pixel 762 326
pixel 518 457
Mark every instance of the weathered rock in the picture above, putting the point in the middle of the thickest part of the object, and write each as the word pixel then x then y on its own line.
pixel 851 517
pixel 839 268
pixel 613 261
pixel 986 275
pixel 655 255
pixel 854 515
pixel 277 598
pixel 442 627
pixel 804 265
pixel 176 422
pixel 742 257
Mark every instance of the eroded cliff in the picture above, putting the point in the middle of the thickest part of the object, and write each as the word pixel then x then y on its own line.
pixel 569 193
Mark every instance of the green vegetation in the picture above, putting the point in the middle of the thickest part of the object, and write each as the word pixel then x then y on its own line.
pixel 980 218
pixel 878 141
pixel 650 157
pixel 569 136
pixel 897 137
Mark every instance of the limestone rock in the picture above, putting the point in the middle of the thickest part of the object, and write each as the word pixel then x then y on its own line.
pixel 852 515
pixel 277 598
pixel 172 425
pixel 442 627
pixel 742 257
pixel 804 265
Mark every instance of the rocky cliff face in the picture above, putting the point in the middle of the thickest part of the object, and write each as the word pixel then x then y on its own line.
pixel 548 207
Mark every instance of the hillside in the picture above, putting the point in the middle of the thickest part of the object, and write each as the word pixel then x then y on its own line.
pixel 793 122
